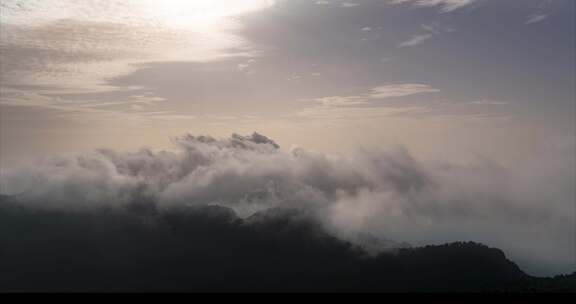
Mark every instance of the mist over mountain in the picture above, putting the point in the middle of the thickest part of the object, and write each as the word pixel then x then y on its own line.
pixel 376 200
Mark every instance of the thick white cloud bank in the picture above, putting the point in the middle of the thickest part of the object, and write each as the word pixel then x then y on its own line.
pixel 528 210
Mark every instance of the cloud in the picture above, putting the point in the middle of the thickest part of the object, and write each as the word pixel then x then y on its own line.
pixel 380 92
pixel 388 193
pixel 393 90
pixel 415 40
pixel 401 90
pixel 541 14
pixel 430 30
pixel 535 18
pixel 361 106
pixel 489 102
pixel 340 101
pixel 349 4
pixel 446 6
pixel 67 47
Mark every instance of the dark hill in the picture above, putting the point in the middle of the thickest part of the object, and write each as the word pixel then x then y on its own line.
pixel 211 249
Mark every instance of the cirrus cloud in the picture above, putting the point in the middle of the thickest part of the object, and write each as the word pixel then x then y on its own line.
pixel 445 5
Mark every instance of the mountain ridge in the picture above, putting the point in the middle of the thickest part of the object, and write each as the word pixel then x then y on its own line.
pixel 209 248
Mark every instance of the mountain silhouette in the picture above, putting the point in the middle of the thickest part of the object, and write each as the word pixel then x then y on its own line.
pixel 211 249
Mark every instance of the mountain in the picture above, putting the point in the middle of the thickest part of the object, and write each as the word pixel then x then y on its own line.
pixel 209 248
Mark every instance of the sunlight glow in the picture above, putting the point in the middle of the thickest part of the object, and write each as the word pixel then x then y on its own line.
pixel 201 15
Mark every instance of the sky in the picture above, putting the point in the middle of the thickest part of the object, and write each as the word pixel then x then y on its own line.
pixel 459 81
pixel 493 78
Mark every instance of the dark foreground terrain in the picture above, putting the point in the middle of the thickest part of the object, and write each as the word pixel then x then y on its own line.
pixel 211 249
